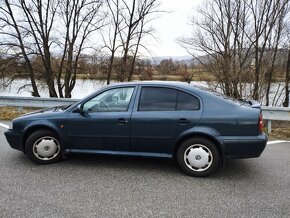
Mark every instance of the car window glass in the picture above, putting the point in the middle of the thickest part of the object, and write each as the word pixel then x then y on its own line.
pixel 157 99
pixel 113 100
pixel 187 102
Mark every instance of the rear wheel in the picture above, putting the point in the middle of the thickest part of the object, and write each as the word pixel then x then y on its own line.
pixel 43 147
pixel 198 157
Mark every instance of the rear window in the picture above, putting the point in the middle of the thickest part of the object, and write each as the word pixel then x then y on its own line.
pixel 166 99
pixel 223 96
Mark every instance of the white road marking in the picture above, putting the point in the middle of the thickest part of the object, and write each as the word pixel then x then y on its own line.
pixel 4 125
pixel 276 142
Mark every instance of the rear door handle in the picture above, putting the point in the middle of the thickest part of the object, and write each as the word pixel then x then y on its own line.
pixel 183 121
pixel 122 121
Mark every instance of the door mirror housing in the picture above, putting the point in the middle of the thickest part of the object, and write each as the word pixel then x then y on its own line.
pixel 80 109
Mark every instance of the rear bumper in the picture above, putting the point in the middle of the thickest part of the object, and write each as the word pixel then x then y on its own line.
pixel 14 139
pixel 244 146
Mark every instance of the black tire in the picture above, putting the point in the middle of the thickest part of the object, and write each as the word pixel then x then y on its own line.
pixel 198 157
pixel 45 153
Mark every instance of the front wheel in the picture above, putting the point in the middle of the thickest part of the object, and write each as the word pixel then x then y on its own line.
pixel 198 157
pixel 43 147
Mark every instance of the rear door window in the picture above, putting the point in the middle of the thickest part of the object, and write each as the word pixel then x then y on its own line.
pixel 166 99
pixel 157 99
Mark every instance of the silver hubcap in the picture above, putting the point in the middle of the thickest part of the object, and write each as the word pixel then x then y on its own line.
pixel 46 148
pixel 198 157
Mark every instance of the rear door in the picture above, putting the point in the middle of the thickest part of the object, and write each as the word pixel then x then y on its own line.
pixel 160 115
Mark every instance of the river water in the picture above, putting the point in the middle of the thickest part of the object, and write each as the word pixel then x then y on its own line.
pixel 84 87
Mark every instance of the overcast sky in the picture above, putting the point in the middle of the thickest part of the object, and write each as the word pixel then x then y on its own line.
pixel 170 26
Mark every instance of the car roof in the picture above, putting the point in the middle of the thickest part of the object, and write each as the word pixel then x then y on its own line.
pixel 199 90
pixel 154 82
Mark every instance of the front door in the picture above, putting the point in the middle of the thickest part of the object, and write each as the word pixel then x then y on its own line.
pixel 104 123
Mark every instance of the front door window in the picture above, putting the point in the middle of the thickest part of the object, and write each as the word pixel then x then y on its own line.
pixel 113 100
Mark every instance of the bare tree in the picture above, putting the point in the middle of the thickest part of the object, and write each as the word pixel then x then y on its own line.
pixel 273 52
pixel 287 81
pixel 287 70
pixel 46 28
pixel 266 15
pixel 40 17
pixel 81 18
pixel 13 38
pixel 218 42
pixel 115 22
pixel 136 14
pixel 237 42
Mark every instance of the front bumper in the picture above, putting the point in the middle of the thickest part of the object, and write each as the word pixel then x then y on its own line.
pixel 244 146
pixel 14 139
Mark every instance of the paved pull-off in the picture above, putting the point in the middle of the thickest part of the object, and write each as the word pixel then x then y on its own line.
pixel 107 186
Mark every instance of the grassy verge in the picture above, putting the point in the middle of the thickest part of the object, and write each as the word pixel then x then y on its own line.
pixel 9 113
pixel 281 133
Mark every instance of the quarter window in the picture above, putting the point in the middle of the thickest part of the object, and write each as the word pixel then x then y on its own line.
pixel 166 99
pixel 187 102
pixel 113 100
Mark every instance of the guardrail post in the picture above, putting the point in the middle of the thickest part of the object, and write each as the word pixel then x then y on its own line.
pixel 20 110
pixel 269 125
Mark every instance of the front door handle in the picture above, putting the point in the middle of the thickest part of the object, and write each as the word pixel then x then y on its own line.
pixel 122 121
pixel 183 121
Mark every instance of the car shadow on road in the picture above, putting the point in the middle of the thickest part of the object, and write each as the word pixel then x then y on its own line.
pixel 238 169
pixel 232 168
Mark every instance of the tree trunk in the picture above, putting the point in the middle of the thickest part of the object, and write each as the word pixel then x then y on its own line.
pixel 68 71
pixel 110 67
pixel 48 69
pixel 35 92
pixel 257 74
pixel 287 92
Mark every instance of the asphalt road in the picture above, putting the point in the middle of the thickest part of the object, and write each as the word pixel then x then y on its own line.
pixel 107 186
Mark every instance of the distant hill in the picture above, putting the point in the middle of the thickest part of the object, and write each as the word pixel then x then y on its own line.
pixel 186 59
pixel 189 60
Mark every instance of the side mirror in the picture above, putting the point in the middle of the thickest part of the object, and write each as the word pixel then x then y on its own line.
pixel 80 109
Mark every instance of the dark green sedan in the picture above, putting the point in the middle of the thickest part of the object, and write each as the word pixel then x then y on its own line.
pixel 199 128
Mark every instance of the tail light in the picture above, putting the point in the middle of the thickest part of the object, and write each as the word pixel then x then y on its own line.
pixel 261 123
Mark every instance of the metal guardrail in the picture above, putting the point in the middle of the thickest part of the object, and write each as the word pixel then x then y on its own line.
pixel 34 102
pixel 275 113
pixel 269 113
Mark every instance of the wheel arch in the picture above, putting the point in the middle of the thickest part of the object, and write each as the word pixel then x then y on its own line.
pixel 219 144
pixel 35 128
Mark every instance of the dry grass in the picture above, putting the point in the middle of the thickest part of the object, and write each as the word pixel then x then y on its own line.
pixel 281 133
pixel 9 113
